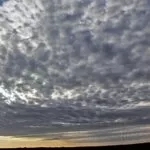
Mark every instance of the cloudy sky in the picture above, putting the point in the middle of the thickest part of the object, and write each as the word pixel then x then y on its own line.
pixel 67 65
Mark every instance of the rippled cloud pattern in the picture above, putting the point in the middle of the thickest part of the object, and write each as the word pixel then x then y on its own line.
pixel 73 62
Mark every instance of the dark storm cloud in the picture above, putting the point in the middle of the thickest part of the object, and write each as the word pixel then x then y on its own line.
pixel 73 62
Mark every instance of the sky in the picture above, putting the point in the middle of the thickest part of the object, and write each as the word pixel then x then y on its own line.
pixel 2 1
pixel 67 65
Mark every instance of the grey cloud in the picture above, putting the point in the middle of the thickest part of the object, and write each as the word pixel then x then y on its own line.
pixel 82 60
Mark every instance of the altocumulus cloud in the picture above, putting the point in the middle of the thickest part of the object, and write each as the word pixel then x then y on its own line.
pixel 73 62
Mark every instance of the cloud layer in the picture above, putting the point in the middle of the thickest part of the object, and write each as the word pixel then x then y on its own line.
pixel 73 62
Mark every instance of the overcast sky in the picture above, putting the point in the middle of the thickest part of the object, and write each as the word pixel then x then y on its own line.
pixel 73 62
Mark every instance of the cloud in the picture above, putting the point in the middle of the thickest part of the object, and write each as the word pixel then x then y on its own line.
pixel 81 59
